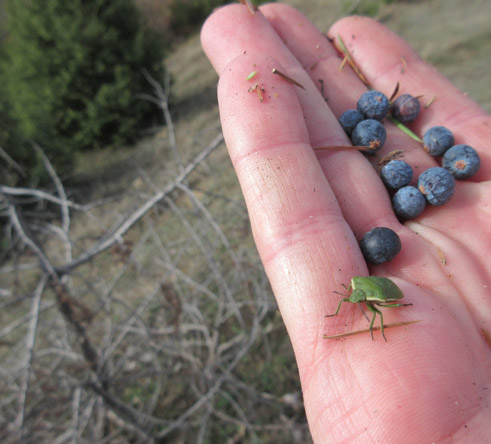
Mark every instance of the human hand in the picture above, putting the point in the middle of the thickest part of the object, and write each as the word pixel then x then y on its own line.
pixel 430 381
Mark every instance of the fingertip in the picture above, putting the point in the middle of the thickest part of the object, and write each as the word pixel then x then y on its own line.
pixel 299 34
pixel 214 30
pixel 231 30
pixel 208 28
pixel 351 21
pixel 271 9
pixel 366 37
pixel 257 106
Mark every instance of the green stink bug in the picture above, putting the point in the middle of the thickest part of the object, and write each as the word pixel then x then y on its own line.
pixel 373 290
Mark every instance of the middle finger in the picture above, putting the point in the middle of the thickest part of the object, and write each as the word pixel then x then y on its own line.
pixel 342 88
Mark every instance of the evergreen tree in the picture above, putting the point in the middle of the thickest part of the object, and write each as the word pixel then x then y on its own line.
pixel 73 72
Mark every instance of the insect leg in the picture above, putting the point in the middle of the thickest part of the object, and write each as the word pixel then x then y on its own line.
pixel 347 288
pixel 375 310
pixel 339 306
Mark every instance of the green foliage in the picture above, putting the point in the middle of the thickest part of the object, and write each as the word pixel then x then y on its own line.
pixel 8 128
pixel 73 72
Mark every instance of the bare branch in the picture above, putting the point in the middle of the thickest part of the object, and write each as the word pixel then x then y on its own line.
pixel 123 410
pixel 59 186
pixel 211 221
pixel 65 213
pixel 133 318
pixel 42 195
pixel 30 342
pixel 210 260
pixel 138 214
pixel 162 99
pixel 22 320
pixel 216 386
pixel 76 414
pixel 45 262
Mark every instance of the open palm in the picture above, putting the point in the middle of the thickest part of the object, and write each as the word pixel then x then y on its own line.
pixel 431 381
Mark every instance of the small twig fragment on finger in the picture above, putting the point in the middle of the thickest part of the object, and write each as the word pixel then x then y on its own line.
pixel 321 81
pixel 340 46
pixel 343 147
pixel 404 64
pixel 396 154
pixel 442 257
pixel 259 91
pixel 343 63
pixel 366 330
pixel 288 79
pixel 396 90
pixel 430 101
pixel 487 336
pixel 250 6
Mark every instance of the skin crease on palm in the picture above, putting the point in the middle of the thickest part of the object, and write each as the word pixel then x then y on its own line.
pixel 430 383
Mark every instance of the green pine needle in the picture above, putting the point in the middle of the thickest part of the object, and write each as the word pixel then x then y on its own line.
pixel 405 129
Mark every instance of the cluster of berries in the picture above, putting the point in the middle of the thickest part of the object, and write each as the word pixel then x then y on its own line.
pixel 363 124
pixel 435 185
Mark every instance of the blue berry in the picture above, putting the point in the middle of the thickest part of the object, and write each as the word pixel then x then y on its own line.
pixel 370 133
pixel 396 174
pixel 349 119
pixel 462 161
pixel 437 140
pixel 437 184
pixel 406 108
pixel 379 245
pixel 408 202
pixel 373 105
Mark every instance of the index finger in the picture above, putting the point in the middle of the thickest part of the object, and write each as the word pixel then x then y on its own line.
pixel 305 244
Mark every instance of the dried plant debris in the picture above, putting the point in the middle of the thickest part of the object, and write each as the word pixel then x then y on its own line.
pixel 287 78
